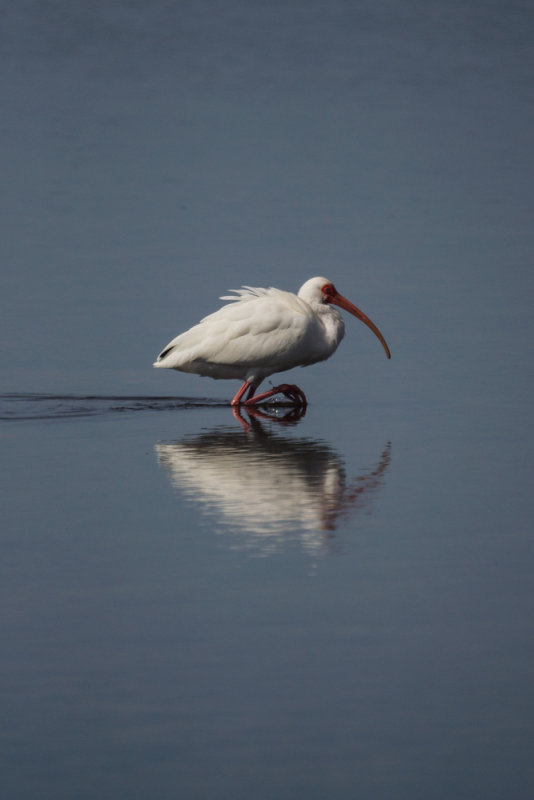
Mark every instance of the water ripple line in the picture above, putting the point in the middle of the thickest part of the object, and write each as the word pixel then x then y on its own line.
pixel 17 407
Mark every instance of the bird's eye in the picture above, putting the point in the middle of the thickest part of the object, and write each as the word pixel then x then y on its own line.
pixel 328 289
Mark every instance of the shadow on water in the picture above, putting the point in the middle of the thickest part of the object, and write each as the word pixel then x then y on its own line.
pixel 265 488
pixel 27 406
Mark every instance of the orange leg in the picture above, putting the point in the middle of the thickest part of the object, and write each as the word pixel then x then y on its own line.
pixel 289 390
pixel 251 389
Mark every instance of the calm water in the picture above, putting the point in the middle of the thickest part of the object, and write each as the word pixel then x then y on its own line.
pixel 198 604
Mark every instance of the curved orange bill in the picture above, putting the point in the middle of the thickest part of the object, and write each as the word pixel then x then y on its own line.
pixel 342 302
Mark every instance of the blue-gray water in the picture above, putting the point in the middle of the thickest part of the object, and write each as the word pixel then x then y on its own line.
pixel 200 605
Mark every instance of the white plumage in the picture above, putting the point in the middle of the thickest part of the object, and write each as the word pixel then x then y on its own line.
pixel 263 331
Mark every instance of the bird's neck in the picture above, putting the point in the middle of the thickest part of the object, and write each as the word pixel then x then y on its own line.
pixel 334 327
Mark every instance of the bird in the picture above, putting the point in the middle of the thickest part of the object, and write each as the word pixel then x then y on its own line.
pixel 260 332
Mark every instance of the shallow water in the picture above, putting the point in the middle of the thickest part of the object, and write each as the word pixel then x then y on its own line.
pixel 273 608
pixel 206 603
pixel 16 407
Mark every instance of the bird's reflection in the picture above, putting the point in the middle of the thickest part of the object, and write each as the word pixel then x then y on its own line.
pixel 268 488
pixel 278 413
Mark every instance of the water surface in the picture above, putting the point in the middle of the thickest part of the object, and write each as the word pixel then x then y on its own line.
pixel 199 603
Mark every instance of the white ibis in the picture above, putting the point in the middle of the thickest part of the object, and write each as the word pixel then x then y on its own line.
pixel 263 331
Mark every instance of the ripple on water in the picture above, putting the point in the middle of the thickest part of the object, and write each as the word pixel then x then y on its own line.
pixel 27 406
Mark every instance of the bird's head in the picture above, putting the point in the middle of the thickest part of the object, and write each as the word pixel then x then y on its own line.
pixel 321 291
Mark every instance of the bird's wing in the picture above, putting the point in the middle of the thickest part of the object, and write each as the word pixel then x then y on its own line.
pixel 261 327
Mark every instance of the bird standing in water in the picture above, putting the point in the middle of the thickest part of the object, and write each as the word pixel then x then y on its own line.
pixel 263 331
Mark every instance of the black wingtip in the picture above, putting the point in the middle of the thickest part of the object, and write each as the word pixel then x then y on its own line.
pixel 164 353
